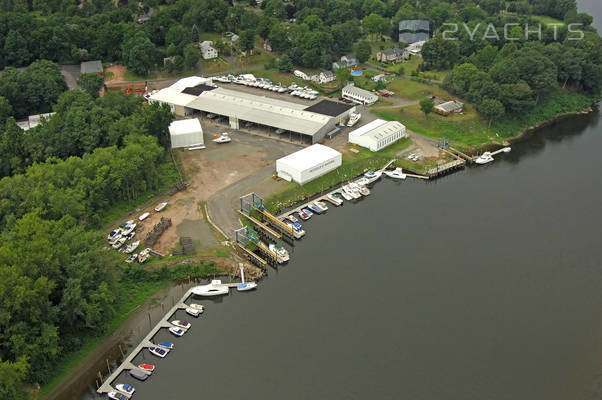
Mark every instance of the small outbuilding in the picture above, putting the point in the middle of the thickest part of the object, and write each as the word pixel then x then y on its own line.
pixel 308 164
pixel 378 134
pixel 186 133
pixel 449 107
pixel 359 95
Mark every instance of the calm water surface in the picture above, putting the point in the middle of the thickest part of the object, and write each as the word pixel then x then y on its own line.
pixel 486 284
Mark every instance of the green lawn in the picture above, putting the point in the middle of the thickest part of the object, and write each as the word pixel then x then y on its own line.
pixel 546 20
pixel 259 58
pixel 215 65
pixel 412 90
pixel 353 165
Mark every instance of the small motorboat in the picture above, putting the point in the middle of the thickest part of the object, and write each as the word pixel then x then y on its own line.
pixel 315 208
pixel 119 242
pixel 321 205
pixel 245 287
pixel 113 234
pixel 336 200
pixel 352 190
pixel 193 311
pixel 197 306
pixel 128 227
pixel 215 288
pixel 364 191
pixel 131 258
pixel 305 214
pixel 181 324
pixel 166 345
pixel 223 138
pixel 353 118
pixel 176 331
pixel 158 351
pixel 144 255
pixel 397 173
pixel 130 235
pixel 138 374
pixel 292 218
pixel 115 239
pixel 117 396
pixel 143 216
pixel 125 388
pixel 281 253
pixel 132 246
pixel 160 206
pixel 346 195
pixel 413 157
pixel 147 367
pixel 372 176
pixel 484 158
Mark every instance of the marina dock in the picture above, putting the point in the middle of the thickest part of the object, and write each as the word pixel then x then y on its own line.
pixel 445 168
pixel 127 363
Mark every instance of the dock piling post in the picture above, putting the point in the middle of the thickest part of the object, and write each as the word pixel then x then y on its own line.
pixel 121 350
pixel 108 367
pixel 150 323
pixel 97 387
pixel 100 376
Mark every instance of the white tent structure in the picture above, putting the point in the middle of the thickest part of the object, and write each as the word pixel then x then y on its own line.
pixel 186 133
pixel 308 164
pixel 378 134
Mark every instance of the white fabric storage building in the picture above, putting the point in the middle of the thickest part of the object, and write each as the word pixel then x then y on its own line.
pixel 186 133
pixel 378 134
pixel 308 164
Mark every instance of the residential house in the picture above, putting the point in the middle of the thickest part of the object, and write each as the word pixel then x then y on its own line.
pixel 379 77
pixel 449 107
pixel 391 56
pixel 207 50
pixel 349 60
pixel 327 76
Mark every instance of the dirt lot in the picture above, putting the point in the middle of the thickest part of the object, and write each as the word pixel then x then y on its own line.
pixel 216 176
pixel 117 74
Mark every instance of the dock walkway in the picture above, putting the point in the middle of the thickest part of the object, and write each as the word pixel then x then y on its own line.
pixel 127 364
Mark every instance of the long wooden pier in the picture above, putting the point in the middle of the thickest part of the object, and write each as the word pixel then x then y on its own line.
pixel 262 225
pixel 128 364
pixel 445 168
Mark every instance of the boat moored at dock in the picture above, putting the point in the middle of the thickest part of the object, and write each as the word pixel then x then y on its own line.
pixel 334 199
pixel 281 253
pixel 139 374
pixel 176 331
pixel 166 345
pixel 215 288
pixel 484 158
pixel 117 396
pixel 125 388
pixel 314 208
pixel 397 173
pixel 158 351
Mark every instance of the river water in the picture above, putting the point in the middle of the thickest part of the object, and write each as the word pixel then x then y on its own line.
pixel 485 284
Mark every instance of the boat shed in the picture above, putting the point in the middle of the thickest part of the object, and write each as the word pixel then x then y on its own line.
pixel 359 95
pixel 378 134
pixel 308 164
pixel 186 133
pixel 339 111
pixel 449 107
pixel 178 95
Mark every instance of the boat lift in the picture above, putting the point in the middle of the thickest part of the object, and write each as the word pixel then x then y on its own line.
pixel 252 201
pixel 246 234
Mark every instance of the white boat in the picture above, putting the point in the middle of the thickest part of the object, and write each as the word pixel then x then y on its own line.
pixel 125 388
pixel 119 243
pixel 113 234
pixel 282 255
pixel 181 324
pixel 353 118
pixel 215 288
pixel 176 331
pixel 117 396
pixel 131 247
pixel 144 255
pixel 197 306
pixel 296 227
pixel 131 258
pixel 397 173
pixel 193 311
pixel 484 158
pixel 130 236
pixel 321 205
pixel 352 191
pixel 128 227
pixel 245 287
pixel 158 351
pixel 223 138
pixel 160 206
pixel 115 239
pixel 335 200
pixel 346 195
pixel 364 191
pixel 143 216
pixel 413 157
pixel 372 176
pixel 292 218
pixel 281 89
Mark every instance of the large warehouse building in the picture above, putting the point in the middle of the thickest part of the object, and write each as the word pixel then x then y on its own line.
pixel 197 95
pixel 378 134
pixel 308 164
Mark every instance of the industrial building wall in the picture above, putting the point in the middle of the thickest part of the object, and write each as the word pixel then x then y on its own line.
pixel 186 140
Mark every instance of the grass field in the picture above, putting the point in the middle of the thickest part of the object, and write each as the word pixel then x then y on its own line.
pixel 216 65
pixel 547 20
pixel 413 90
pixel 353 164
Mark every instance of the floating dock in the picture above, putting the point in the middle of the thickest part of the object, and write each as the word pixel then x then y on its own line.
pixel 127 364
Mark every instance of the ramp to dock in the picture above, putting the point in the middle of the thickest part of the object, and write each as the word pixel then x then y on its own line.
pixel 262 226
pixel 278 223
pixel 250 253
